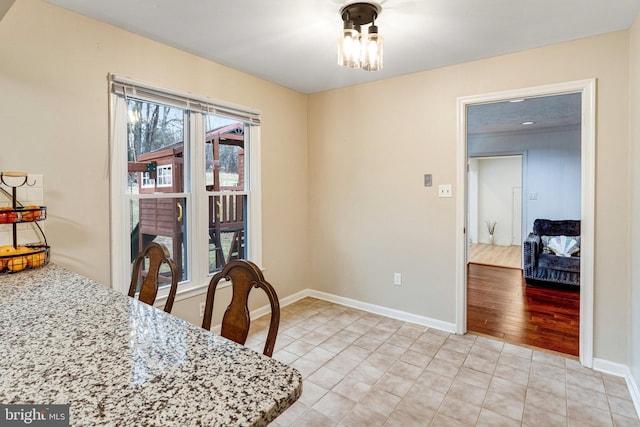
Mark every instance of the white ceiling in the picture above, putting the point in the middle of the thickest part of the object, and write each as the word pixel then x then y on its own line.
pixel 294 42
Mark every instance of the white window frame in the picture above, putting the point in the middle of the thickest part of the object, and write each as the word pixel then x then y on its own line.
pixel 197 213
pixel 147 181
pixel 162 173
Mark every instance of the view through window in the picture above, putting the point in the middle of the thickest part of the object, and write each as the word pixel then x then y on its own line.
pixel 187 184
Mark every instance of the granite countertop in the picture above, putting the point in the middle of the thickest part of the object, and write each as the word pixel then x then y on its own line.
pixel 117 361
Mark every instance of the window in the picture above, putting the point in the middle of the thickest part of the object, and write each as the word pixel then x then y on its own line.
pixel 226 179
pixel 163 175
pixel 183 173
pixel 147 180
pixel 165 179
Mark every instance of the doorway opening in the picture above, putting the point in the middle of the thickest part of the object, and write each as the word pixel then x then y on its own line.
pixel 585 90
pixel 494 210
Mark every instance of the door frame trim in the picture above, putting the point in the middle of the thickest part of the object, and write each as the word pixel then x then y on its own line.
pixel 587 88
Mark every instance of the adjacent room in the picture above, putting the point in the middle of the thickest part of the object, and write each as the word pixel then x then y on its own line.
pixel 524 165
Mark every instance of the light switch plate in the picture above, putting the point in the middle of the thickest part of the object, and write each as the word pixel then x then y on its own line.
pixel 428 180
pixel 444 190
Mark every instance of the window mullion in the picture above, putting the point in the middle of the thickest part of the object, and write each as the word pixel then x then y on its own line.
pixel 254 184
pixel 120 248
pixel 200 240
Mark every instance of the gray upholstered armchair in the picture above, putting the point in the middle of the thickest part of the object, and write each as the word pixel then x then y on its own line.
pixel 542 264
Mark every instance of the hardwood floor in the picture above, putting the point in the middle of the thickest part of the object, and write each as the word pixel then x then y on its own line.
pixel 500 304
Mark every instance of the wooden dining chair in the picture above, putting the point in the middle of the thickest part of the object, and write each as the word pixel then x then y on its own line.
pixel 155 254
pixel 244 276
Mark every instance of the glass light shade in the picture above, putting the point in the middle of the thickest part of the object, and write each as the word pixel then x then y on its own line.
pixel 372 52
pixel 349 48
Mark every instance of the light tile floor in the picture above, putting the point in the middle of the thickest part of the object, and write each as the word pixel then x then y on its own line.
pixel 362 369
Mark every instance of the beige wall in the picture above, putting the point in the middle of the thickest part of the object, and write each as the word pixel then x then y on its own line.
pixel 634 142
pixel 54 115
pixel 371 216
pixel 367 214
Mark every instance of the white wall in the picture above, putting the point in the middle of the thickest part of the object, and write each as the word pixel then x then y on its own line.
pixel 551 170
pixel 472 201
pixel 496 179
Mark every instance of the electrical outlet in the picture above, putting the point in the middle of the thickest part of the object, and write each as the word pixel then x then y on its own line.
pixel 397 279
pixel 202 309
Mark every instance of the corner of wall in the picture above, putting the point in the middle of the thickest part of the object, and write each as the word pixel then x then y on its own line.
pixel 5 5
pixel 634 194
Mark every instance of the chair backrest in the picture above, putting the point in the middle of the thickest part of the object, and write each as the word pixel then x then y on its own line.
pixel 156 254
pixel 244 276
pixel 548 227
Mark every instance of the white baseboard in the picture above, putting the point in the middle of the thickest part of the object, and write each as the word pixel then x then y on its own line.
pixel 611 368
pixel 295 297
pixel 623 371
pixel 266 309
pixel 370 308
pixel 633 391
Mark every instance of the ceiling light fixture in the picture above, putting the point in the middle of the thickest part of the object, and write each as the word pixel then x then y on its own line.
pixel 355 49
pixel 528 123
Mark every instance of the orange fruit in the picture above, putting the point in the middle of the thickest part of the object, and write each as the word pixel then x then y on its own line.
pixel 18 263
pixel 31 213
pixel 5 252
pixel 36 260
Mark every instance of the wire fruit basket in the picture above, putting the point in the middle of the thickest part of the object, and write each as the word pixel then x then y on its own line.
pixel 15 258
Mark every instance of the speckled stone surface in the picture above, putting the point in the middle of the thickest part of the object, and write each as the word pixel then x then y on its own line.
pixel 120 362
